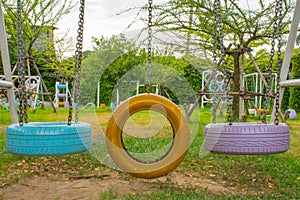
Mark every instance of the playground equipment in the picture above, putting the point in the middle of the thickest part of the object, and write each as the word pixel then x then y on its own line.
pixel 125 89
pixel 61 92
pixel 6 67
pixel 291 113
pixel 253 85
pixel 216 85
pixel 288 55
pixel 47 138
pixel 4 101
pixel 173 156
pixel 247 138
pixel 32 85
pixel 6 84
pixel 123 96
pixel 138 103
pixel 118 96
pixel 232 138
pixel 253 82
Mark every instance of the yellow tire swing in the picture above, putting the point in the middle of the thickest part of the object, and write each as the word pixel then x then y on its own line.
pixel 151 102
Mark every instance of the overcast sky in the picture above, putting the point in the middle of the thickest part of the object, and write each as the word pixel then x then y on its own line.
pixel 101 18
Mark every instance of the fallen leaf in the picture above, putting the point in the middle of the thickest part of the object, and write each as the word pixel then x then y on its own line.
pixel 212 175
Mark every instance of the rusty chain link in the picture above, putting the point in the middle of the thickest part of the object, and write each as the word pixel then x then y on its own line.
pixel 279 60
pixel 223 63
pixel 276 34
pixel 218 33
pixel 77 67
pixel 215 62
pixel 21 69
pixel 150 24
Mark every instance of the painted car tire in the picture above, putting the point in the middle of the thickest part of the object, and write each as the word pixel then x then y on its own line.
pixel 247 138
pixel 48 138
pixel 175 154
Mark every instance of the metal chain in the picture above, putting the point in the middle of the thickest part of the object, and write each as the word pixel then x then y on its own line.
pixel 223 63
pixel 149 72
pixel 279 60
pixel 271 60
pixel 21 70
pixel 77 66
pixel 218 31
pixel 215 62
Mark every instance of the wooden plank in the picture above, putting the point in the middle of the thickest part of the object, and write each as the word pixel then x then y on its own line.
pixel 43 84
pixel 290 83
pixel 257 69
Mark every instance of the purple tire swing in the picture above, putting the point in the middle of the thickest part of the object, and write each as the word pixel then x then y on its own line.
pixel 247 138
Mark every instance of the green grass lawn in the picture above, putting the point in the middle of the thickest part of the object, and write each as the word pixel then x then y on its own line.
pixel 253 177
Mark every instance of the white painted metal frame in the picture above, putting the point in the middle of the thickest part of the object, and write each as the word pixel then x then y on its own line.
pixel 6 84
pixel 288 53
pixel 58 92
pixel 290 83
pixel 33 102
pixel 7 68
pixel 204 82
pixel 259 86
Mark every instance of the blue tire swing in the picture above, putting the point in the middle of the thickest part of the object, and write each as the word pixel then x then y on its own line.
pixel 247 138
pixel 48 138
pixel 181 133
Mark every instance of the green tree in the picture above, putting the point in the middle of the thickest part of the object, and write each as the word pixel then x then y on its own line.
pixel 243 28
pixel 294 101
pixel 111 58
pixel 39 21
pixel 114 57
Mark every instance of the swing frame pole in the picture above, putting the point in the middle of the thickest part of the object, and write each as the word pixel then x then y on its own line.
pixel 7 68
pixel 288 53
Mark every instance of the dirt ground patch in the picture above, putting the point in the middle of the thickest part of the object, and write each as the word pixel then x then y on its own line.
pixel 2 129
pixel 46 189
pixel 59 188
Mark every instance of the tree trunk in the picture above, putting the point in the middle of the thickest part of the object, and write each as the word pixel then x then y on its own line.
pixel 236 86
